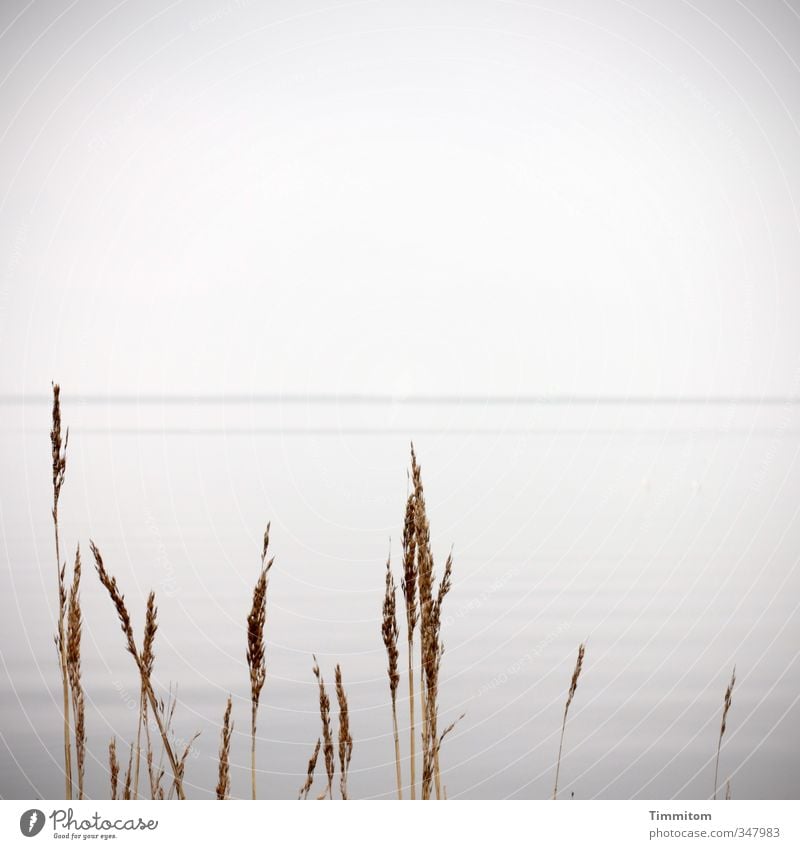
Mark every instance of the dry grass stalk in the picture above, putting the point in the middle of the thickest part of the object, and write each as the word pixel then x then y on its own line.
pixel 74 628
pixel 409 587
pixel 166 712
pixel 224 778
pixel 148 658
pixel 185 755
pixel 427 766
pixel 156 777
pixel 113 766
pixel 728 790
pixel 155 773
pixel 440 740
pixel 431 647
pixel 345 739
pixel 726 707
pixel 327 736
pixel 118 599
pixel 571 695
pixel 425 588
pixel 433 703
pixel 390 637
pixel 430 760
pixel 153 779
pixel 128 774
pixel 59 455
pixel 151 773
pixel 256 659
pixel 312 765
pixel 449 728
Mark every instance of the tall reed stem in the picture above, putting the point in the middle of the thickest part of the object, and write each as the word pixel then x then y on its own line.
pixel 74 629
pixel 113 766
pixel 345 738
pixel 148 658
pixel 312 765
pixel 390 636
pixel 59 453
pixel 726 707
pixel 412 735
pixel 253 713
pixel 409 587
pixel 327 736
pixel 138 743
pixel 431 647
pixel 256 657
pixel 572 687
pixel 224 774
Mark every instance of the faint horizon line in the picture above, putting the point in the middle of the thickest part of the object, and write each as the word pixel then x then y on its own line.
pixel 416 432
pixel 377 399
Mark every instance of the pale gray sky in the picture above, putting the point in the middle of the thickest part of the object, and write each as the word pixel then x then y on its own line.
pixel 481 197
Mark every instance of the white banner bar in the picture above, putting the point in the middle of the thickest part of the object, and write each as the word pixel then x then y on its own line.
pixel 367 825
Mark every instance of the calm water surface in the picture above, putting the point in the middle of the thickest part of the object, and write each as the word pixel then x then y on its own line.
pixel 665 534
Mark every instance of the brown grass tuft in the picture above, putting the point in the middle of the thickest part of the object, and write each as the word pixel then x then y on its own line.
pixel 150 628
pixel 570 696
pixel 312 765
pixel 256 659
pixel 224 779
pixel 390 637
pixel 327 737
pixel 113 766
pixel 128 774
pixel 74 628
pixel 409 588
pixel 425 579
pixel 345 740
pixel 433 687
pixel 431 600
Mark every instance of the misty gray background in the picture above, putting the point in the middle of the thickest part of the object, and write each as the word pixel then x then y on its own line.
pixel 264 245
